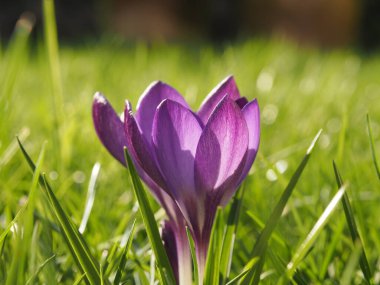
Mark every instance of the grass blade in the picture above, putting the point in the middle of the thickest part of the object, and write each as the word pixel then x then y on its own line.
pixel 11 224
pixel 229 234
pixel 350 218
pixel 244 272
pixel 31 279
pixel 373 151
pixel 15 55
pixel 123 259
pixel 79 280
pixel 262 242
pixel 193 255
pixel 107 265
pixel 11 150
pixel 153 270
pixel 163 263
pixel 47 244
pixel 51 42
pixel 260 224
pixel 28 221
pixel 314 233
pixel 74 240
pixel 349 271
pixel 90 197
pixel 23 235
pixel 211 275
pixel 330 249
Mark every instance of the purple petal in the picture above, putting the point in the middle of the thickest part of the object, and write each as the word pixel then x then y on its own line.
pixel 222 148
pixel 226 87
pixel 109 127
pixel 148 103
pixel 140 151
pixel 175 135
pixel 176 132
pixel 251 114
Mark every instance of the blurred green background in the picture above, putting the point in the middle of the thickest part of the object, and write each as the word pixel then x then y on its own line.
pixel 306 72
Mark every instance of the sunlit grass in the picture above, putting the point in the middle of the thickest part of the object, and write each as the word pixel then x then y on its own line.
pixel 299 91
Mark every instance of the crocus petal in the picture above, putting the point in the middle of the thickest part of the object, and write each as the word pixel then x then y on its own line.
pixel 251 114
pixel 222 147
pixel 109 127
pixel 148 103
pixel 226 87
pixel 175 135
pixel 139 149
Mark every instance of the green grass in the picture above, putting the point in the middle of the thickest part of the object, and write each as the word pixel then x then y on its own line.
pixel 299 90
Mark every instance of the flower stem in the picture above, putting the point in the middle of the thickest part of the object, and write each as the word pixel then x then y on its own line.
pixel 184 258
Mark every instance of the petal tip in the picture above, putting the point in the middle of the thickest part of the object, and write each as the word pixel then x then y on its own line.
pixel 164 103
pixel 255 102
pixel 229 77
pixel 157 84
pixel 128 106
pixel 99 98
pixel 160 84
pixel 228 80
pixel 154 84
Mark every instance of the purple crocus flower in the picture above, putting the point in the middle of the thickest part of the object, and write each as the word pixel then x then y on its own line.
pixel 192 162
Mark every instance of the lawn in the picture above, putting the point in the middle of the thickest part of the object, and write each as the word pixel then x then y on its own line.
pixel 300 90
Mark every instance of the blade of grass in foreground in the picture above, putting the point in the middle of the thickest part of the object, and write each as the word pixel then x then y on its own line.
pixel 237 278
pixel 253 275
pixel 193 255
pixel 330 249
pixel 34 276
pixel 230 233
pixel 123 259
pixel 350 218
pixel 79 280
pixel 314 233
pixel 11 224
pixel 29 215
pixel 75 241
pixel 90 197
pixel 373 151
pixel 163 263
pixel 211 275
pixel 17 269
pixel 82 255
pixel 260 225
